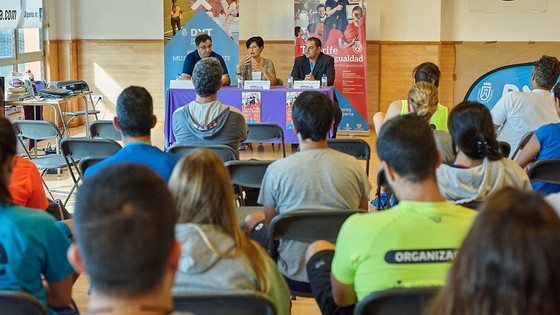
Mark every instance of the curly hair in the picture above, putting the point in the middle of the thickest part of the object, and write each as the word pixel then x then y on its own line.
pixel 207 76
pixel 546 71
pixel 423 99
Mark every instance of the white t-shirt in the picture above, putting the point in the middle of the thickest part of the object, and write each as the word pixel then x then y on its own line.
pixel 519 112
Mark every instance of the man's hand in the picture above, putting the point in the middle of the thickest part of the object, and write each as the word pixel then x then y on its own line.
pixel 309 77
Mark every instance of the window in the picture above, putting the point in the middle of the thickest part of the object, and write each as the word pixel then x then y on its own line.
pixel 21 50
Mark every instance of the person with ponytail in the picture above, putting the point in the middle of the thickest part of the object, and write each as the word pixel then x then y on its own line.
pixel 32 245
pixel 480 168
pixel 216 255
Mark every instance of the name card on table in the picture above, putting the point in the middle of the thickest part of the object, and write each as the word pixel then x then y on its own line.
pixel 181 84
pixel 306 84
pixel 256 85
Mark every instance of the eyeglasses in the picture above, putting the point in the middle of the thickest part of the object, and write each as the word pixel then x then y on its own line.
pixel 205 47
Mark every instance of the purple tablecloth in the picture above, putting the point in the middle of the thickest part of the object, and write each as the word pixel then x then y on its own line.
pixel 273 106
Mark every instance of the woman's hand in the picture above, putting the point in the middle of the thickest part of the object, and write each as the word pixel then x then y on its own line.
pixel 257 66
pixel 245 61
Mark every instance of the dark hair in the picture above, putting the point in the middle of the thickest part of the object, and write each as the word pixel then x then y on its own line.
pixel 313 115
pixel 202 38
pixel 546 71
pixel 427 72
pixel 135 111
pixel 8 144
pixel 257 40
pixel 320 6
pixel 315 40
pixel 509 262
pixel 407 144
pixel 124 219
pixel 472 130
pixel 556 91
pixel 207 76
pixel 297 29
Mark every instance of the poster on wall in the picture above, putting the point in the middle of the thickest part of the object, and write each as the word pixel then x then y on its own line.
pixel 21 14
pixel 184 20
pixel 341 27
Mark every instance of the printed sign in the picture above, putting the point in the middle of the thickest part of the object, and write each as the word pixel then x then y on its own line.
pixel 290 100
pixel 251 106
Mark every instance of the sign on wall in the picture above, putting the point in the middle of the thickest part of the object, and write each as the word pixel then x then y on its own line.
pixel 21 14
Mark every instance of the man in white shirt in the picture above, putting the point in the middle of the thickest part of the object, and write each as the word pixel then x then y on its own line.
pixel 519 112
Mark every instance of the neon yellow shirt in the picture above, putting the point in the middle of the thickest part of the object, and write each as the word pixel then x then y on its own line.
pixel 438 119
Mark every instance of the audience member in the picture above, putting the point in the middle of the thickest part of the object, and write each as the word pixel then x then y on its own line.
pixel 424 72
pixel 544 144
pixel 124 240
pixel 216 256
pixel 480 168
pixel 254 65
pixel 312 66
pixel 330 179
pixel 33 248
pixel 519 112
pixel 411 245
pixel 203 44
pixel 205 120
pixel 135 118
pixel 509 262
pixel 26 186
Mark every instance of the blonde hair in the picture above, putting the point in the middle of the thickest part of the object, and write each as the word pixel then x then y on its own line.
pixel 203 194
pixel 423 99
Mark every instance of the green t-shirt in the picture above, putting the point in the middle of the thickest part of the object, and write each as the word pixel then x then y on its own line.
pixel 438 119
pixel 410 245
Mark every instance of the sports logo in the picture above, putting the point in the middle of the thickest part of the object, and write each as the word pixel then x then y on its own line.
pixel 485 92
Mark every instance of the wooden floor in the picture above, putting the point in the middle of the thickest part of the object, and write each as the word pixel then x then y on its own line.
pixel 300 306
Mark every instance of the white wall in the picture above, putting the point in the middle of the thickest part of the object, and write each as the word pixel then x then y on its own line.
pixel 411 20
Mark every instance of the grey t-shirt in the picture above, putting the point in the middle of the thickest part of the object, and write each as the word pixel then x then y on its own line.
pixel 320 179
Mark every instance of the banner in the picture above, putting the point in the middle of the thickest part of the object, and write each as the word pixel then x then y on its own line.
pixel 185 20
pixel 341 27
pixel 21 14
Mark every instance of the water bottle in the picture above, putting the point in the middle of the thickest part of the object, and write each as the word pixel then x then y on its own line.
pixel 179 76
pixel 290 82
pixel 324 81
pixel 240 82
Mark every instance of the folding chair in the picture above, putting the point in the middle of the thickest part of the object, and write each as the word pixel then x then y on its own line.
pixel 104 129
pixel 74 149
pixel 546 171
pixel 232 303
pixel 307 226
pixel 88 161
pixel 21 303
pixel 266 132
pixel 524 140
pixel 41 130
pixel 223 151
pixel 357 148
pixel 505 148
pixel 409 301
pixel 247 173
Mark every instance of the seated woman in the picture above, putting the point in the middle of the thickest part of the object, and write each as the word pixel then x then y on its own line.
pixel 216 256
pixel 26 186
pixel 509 262
pixel 480 168
pixel 255 67
pixel 425 72
pixel 544 144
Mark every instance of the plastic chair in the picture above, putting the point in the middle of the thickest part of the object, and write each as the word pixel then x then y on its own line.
pixel 88 161
pixel 104 129
pixel 247 173
pixel 231 303
pixel 546 171
pixel 524 140
pixel 505 148
pixel 266 132
pixel 75 149
pixel 20 303
pixel 41 130
pixel 409 301
pixel 357 148
pixel 223 151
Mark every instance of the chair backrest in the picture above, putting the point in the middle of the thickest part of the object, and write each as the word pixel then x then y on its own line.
pixel 505 148
pixel 524 140
pixel 358 148
pixel 223 151
pixel 264 132
pixel 78 148
pixel 232 303
pixel 20 303
pixel 409 301
pixel 247 173
pixel 547 171
pixel 36 129
pixel 104 129
pixel 88 161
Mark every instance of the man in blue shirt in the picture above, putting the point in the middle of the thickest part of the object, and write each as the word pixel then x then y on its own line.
pixel 203 44
pixel 135 118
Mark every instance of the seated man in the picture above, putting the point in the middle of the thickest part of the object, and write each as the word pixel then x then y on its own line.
pixel 317 177
pixel 411 245
pixel 135 119
pixel 205 120
pixel 203 44
pixel 125 240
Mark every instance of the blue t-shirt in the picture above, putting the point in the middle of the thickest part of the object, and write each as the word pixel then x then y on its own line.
pixel 33 245
pixel 141 153
pixel 194 57
pixel 547 135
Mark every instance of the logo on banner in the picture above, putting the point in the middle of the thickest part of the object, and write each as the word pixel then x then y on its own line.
pixel 485 92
